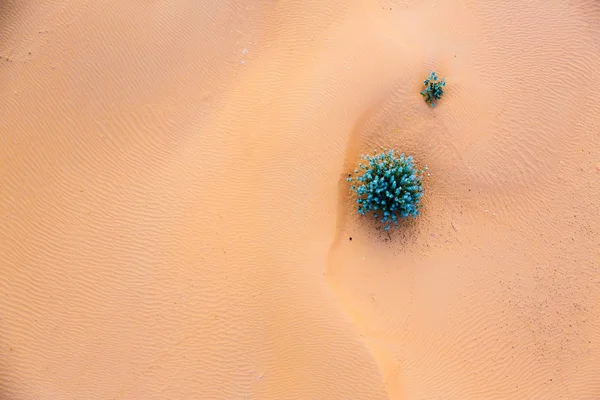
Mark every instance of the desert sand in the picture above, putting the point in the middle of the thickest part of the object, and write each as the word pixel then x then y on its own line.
pixel 176 223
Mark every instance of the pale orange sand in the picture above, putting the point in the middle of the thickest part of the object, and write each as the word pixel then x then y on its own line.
pixel 175 221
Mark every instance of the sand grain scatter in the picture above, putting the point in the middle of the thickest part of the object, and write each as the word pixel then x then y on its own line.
pixel 175 222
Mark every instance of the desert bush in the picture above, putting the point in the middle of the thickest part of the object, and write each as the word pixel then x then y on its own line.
pixel 387 185
pixel 434 88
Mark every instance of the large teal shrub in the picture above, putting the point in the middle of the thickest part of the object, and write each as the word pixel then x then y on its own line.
pixel 434 88
pixel 387 185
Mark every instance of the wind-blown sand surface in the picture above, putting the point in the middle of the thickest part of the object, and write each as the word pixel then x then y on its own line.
pixel 175 222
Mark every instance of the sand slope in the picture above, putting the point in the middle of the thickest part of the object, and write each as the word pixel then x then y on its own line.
pixel 176 222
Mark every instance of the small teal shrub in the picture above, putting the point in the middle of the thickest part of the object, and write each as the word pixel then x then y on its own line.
pixel 434 88
pixel 387 185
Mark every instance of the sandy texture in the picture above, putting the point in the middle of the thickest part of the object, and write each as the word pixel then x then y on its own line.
pixel 175 222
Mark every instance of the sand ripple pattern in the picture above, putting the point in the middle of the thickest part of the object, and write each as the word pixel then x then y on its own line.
pixel 494 292
pixel 175 222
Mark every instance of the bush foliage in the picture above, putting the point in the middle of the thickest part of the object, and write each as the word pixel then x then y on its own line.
pixel 388 185
pixel 434 88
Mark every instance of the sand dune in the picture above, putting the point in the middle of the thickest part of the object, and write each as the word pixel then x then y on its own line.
pixel 176 223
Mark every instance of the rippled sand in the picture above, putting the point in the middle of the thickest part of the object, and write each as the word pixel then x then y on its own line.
pixel 176 224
